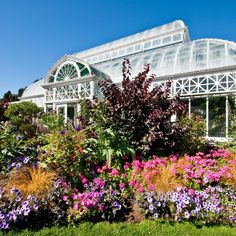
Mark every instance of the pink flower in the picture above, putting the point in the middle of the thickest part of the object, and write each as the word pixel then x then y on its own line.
pixel 126 166
pixel 101 208
pixel 151 187
pixel 105 168
pixel 65 198
pixel 114 172
pixel 191 191
pixel 74 196
pixel 132 183
pixel 75 207
pixel 122 186
pixel 124 175
pixel 84 180
pixel 141 190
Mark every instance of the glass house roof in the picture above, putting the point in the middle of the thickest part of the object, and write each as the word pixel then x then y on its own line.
pixel 187 57
pixel 167 34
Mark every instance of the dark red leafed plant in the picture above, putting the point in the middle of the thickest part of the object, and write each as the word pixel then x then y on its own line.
pixel 144 114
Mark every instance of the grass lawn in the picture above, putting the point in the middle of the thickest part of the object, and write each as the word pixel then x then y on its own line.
pixel 119 229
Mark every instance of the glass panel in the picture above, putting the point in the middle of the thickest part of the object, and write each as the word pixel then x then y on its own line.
pixel 176 37
pixel 217 117
pixel 51 79
pixel 166 40
pixel 85 72
pixel 80 65
pixel 156 42
pixel 71 113
pixel 61 110
pixel 137 48
pixel 147 45
pixel 232 116
pixel 198 106
pixel 130 49
pixel 49 108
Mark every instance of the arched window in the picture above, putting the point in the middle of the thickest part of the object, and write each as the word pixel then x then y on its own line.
pixel 67 72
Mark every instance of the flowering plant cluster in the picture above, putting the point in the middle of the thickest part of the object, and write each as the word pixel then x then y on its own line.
pixel 104 197
pixel 30 211
pixel 217 166
pixel 13 208
pixel 211 205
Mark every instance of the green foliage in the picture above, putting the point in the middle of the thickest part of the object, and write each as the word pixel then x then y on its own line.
pixel 193 139
pixel 11 145
pixel 52 121
pixel 23 115
pixel 64 154
pixel 103 141
pixel 23 112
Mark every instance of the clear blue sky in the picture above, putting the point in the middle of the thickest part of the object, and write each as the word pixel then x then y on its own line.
pixel 36 33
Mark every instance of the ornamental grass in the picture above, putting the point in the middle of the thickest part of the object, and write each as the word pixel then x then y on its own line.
pixel 31 180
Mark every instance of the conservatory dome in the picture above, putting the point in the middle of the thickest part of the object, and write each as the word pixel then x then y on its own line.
pixel 34 89
pixel 34 93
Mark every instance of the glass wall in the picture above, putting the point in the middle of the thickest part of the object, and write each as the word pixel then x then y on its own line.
pixel 232 116
pixel 198 106
pixel 219 113
pixel 217 117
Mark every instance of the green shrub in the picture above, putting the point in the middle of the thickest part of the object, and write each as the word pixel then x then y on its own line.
pixel 194 138
pixel 23 116
pixel 12 146
pixel 103 141
pixel 52 121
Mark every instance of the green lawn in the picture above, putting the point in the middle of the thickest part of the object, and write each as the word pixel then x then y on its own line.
pixel 119 229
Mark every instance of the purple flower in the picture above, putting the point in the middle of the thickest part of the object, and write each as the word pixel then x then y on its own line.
pixel 18 165
pixel 78 128
pixel 26 160
pixel 151 207
pixel 18 137
pixel 18 199
pixel 155 215
pixel 149 199
pixel 186 215
pixel 62 132
pixel 26 211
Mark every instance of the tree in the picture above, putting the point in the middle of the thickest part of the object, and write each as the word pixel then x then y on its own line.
pixel 144 115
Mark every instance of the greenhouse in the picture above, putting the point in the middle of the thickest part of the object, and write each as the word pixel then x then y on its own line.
pixel 203 73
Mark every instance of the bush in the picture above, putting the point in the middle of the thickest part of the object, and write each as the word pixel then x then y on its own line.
pixel 103 142
pixel 64 153
pixel 194 138
pixel 23 115
pixel 13 148
pixel 143 115
pixel 52 121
